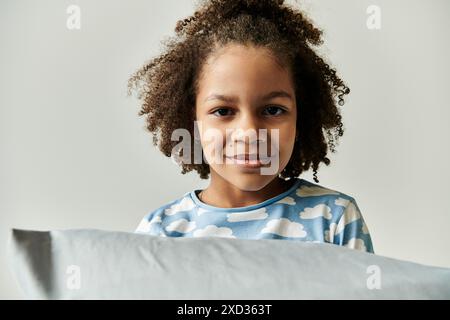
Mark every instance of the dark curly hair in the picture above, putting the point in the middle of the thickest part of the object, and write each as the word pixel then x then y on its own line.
pixel 167 85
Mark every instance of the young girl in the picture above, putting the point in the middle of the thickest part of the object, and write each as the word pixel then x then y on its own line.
pixel 239 65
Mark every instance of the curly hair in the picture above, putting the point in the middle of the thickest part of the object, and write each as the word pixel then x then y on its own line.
pixel 167 84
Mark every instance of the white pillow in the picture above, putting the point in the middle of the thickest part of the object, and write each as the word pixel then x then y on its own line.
pixel 96 264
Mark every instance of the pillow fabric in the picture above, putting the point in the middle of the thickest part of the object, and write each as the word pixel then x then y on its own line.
pixel 100 264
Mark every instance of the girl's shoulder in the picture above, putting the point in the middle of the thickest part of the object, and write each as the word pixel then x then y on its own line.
pixel 313 197
pixel 183 203
pixel 311 189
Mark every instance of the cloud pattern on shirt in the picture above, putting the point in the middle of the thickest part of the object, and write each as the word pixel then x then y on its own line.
pixel 365 230
pixel 341 202
pixel 285 227
pixel 351 213
pixel 313 191
pixel 287 200
pixel 318 211
pixel 201 211
pixel 308 213
pixel 182 226
pixel 185 204
pixel 258 214
pixel 356 243
pixel 214 231
pixel 145 225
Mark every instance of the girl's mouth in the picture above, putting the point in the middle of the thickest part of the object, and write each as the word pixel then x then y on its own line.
pixel 248 161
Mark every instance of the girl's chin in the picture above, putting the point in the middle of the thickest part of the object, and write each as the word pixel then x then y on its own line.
pixel 248 182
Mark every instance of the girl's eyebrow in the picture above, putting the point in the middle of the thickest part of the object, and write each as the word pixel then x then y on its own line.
pixel 232 99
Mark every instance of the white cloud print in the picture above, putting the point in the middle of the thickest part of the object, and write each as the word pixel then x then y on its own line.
pixel 201 211
pixel 285 227
pixel 320 210
pixel 214 231
pixel 329 234
pixel 257 214
pixel 156 219
pixel 181 225
pixel 145 225
pixel 185 204
pixel 350 214
pixel 341 202
pixel 306 191
pixel 287 200
pixel 356 243
pixel 326 236
pixel 365 230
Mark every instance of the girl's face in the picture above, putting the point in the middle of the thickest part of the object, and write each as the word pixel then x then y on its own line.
pixel 244 87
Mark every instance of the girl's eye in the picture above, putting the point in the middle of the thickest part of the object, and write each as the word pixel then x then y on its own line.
pixel 273 110
pixel 221 113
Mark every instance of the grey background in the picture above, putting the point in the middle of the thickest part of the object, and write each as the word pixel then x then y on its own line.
pixel 75 154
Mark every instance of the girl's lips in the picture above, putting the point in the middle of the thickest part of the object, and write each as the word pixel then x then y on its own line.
pixel 245 162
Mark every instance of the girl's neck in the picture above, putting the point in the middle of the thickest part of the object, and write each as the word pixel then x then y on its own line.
pixel 220 193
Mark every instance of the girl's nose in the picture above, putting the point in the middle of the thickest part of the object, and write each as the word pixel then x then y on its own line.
pixel 246 136
pixel 247 128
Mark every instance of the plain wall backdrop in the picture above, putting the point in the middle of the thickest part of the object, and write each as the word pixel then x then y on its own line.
pixel 75 153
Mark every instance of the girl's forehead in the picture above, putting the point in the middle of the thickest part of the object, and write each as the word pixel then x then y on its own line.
pixel 244 53
pixel 241 66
